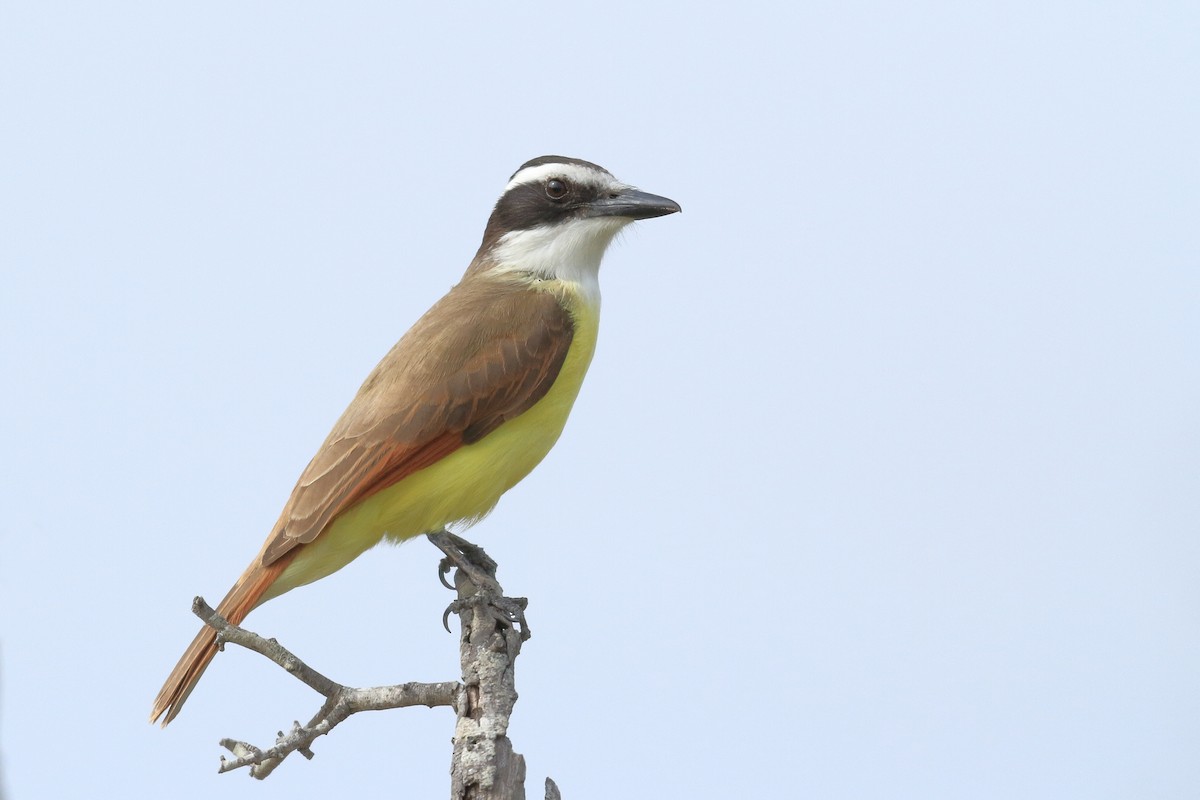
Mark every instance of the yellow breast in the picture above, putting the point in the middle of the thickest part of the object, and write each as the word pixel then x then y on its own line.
pixel 465 485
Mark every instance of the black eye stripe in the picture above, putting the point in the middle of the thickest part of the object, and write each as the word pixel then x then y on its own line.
pixel 529 205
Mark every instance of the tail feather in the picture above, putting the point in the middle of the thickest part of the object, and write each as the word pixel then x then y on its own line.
pixel 239 602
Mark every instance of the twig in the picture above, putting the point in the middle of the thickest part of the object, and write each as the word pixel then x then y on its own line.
pixel 340 701
pixel 484 765
pixel 228 632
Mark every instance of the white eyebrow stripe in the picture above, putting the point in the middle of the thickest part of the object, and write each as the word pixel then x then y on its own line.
pixel 572 172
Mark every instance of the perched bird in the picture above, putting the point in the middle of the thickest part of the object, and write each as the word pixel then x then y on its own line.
pixel 465 404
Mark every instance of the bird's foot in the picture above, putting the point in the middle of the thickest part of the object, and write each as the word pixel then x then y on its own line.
pixel 504 612
pixel 469 559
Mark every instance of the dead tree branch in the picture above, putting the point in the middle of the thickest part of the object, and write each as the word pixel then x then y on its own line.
pixel 484 765
pixel 340 701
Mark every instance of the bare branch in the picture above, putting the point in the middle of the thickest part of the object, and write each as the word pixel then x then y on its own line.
pixel 340 701
pixel 484 765
pixel 228 632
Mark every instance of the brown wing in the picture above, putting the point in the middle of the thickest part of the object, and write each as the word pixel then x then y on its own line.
pixel 485 353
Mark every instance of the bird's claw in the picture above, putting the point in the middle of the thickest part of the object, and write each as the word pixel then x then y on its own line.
pixel 444 567
pixel 509 612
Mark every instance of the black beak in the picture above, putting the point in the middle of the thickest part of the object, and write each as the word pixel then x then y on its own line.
pixel 632 204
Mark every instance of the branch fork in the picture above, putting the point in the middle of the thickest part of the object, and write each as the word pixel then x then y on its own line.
pixel 484 765
pixel 340 701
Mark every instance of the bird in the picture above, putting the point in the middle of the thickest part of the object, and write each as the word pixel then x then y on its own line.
pixel 463 407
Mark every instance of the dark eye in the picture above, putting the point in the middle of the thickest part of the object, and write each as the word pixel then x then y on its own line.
pixel 556 189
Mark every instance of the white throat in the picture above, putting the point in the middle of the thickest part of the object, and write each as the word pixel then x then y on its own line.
pixel 567 251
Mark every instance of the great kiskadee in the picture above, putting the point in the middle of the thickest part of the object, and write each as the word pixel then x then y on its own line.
pixel 466 403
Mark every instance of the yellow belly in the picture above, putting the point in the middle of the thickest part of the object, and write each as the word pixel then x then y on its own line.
pixel 463 486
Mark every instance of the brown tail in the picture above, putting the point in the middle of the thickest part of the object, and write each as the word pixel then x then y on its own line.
pixel 240 600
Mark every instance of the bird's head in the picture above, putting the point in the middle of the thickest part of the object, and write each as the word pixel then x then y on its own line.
pixel 557 216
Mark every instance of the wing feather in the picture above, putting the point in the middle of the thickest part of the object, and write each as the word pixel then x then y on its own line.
pixel 485 353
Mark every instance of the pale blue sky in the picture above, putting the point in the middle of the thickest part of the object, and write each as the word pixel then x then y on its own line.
pixel 885 480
